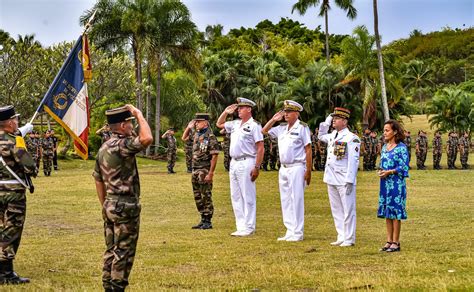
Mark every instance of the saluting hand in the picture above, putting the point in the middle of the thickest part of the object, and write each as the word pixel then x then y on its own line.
pixel 278 116
pixel 191 124
pixel 231 109
pixel 133 110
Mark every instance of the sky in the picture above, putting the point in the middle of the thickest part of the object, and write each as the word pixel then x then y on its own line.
pixel 54 21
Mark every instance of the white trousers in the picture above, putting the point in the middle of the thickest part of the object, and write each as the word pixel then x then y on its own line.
pixel 343 209
pixel 243 194
pixel 292 184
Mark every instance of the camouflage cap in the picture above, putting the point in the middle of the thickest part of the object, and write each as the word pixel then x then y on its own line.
pixel 7 112
pixel 118 115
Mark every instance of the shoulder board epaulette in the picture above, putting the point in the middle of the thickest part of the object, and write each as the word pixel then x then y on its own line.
pixel 257 122
pixel 283 124
pixel 356 140
pixel 303 124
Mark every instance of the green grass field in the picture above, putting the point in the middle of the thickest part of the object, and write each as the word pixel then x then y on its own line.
pixel 63 241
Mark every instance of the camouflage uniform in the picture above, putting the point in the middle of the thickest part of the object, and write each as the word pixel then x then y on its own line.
pixel 274 155
pixel 366 151
pixel 407 142
pixel 188 147
pixel 116 167
pixel 316 151
pixel 323 153
pixel 48 151
pixel 105 136
pixel 437 152
pixel 33 149
pixel 205 145
pixel 226 148
pixel 266 153
pixel 421 151
pixel 12 202
pixel 452 146
pixel 171 153
pixel 374 151
pixel 464 151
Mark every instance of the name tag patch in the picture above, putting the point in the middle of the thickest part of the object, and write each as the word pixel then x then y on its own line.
pixel 294 133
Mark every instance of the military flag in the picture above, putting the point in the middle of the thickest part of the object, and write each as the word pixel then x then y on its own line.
pixel 66 100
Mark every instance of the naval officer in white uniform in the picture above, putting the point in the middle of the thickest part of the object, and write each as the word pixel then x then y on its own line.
pixel 294 144
pixel 246 152
pixel 340 174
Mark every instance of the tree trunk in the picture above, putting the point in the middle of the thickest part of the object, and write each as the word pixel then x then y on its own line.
pixel 327 36
pixel 158 104
pixel 365 110
pixel 138 72
pixel 148 106
pixel 386 114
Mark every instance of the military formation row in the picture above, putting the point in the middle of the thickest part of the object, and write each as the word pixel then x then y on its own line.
pixel 44 148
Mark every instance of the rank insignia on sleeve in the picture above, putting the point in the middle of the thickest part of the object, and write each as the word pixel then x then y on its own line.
pixel 20 142
pixel 356 140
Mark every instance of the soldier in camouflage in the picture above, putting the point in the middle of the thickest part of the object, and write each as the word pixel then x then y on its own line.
pixel 226 148
pixel 421 149
pixel 32 147
pixel 316 150
pixel 205 151
pixel 104 133
pixel 47 145
pixel 118 189
pixel 12 192
pixel 407 142
pixel 188 148
pixel 451 150
pixel 437 150
pixel 366 149
pixel 464 144
pixel 274 155
pixel 374 150
pixel 323 150
pixel 171 152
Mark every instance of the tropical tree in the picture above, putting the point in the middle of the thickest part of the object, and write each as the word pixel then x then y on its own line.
pixel 380 61
pixel 172 39
pixel 417 79
pixel 119 23
pixel 302 6
pixel 452 108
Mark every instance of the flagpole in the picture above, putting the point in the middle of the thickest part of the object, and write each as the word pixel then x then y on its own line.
pixel 87 26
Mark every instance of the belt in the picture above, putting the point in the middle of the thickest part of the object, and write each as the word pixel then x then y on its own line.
pixel 288 165
pixel 10 182
pixel 243 158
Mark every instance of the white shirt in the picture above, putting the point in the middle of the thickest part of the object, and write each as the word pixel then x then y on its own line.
pixel 343 169
pixel 291 143
pixel 243 137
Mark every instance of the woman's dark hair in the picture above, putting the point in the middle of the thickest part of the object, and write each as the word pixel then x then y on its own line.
pixel 396 127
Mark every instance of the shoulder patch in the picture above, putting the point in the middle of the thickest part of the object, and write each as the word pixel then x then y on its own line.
pixel 20 142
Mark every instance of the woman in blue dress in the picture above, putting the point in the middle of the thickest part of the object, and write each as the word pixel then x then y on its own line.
pixel 393 191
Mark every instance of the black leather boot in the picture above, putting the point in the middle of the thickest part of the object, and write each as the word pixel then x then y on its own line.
pixel 207 222
pixel 199 225
pixel 8 276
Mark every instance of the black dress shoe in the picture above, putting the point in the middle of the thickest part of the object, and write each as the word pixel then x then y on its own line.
pixel 12 278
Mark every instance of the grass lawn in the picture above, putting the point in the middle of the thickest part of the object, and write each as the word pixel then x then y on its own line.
pixel 63 241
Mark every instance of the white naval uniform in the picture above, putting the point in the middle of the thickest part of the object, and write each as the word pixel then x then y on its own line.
pixel 338 173
pixel 243 152
pixel 291 146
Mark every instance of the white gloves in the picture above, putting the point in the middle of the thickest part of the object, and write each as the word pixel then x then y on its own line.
pixel 28 127
pixel 349 188
pixel 328 120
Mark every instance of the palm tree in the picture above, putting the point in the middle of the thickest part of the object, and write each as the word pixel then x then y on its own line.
pixel 173 38
pixel 121 22
pixel 302 6
pixel 417 78
pixel 380 60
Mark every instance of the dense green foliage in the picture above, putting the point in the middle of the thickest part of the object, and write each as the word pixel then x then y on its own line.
pixel 150 53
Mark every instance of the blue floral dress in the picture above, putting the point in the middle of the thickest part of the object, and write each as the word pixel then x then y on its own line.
pixel 393 188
